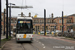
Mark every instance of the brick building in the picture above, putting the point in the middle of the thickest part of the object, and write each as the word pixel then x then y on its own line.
pixel 38 23
pixel 2 22
pixel 51 23
pixel 13 22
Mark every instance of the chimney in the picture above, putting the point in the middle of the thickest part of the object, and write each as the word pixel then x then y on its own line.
pixel 29 14
pixel 21 14
pixel 52 15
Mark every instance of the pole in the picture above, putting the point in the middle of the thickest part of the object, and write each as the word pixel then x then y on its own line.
pixel 0 23
pixel 62 22
pixel 10 20
pixel 4 22
pixel 7 19
pixel 44 22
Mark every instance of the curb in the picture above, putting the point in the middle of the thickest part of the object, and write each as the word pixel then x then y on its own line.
pixel 3 45
pixel 58 37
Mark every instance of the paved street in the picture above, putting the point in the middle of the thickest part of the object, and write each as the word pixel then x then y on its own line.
pixel 41 43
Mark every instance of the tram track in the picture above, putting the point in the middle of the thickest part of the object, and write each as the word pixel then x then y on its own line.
pixel 34 46
pixel 23 48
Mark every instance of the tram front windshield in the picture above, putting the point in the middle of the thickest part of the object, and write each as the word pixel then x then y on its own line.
pixel 24 27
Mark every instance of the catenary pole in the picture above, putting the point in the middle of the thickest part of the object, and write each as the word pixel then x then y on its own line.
pixel 4 22
pixel 0 23
pixel 10 20
pixel 62 23
pixel 6 19
pixel 44 22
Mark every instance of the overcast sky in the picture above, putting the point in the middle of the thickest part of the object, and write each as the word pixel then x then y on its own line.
pixel 52 6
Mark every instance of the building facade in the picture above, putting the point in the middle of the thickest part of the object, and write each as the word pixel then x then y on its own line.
pixel 2 22
pixel 51 23
pixel 54 23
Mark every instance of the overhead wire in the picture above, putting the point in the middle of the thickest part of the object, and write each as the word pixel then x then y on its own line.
pixel 22 5
pixel 63 5
pixel 25 2
pixel 34 12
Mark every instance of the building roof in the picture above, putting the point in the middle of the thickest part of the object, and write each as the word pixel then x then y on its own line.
pixel 72 15
pixel 42 18
pixel 24 17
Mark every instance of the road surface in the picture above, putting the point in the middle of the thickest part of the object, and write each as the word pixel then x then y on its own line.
pixel 41 43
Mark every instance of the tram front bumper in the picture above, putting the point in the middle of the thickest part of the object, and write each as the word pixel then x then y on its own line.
pixel 24 39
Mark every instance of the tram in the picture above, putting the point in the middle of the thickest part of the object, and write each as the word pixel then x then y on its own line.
pixel 24 31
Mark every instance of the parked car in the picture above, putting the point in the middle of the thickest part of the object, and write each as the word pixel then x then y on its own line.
pixel 60 34
pixel 58 31
pixel 42 32
pixel 48 32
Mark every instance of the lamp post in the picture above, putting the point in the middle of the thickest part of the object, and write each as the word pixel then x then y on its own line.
pixel 10 18
pixel 6 19
pixel 4 22
pixel 0 23
pixel 44 22
pixel 21 7
pixel 62 23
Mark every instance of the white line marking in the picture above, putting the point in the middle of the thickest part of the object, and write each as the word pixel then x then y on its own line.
pixel 43 44
pixel 44 47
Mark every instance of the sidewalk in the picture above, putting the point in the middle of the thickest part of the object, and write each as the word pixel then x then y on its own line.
pixel 12 45
pixel 3 36
pixel 3 42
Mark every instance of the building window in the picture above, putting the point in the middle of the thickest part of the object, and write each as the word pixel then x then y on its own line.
pixel 60 21
pixel 68 21
pixel 69 27
pixel 38 28
pixel 34 21
pixel 15 21
pixel 48 21
pixel 41 21
pixel 42 28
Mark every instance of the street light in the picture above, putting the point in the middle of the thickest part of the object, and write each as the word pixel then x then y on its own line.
pixel 6 19
pixel 22 7
pixel 10 18
pixel 62 23
pixel 44 22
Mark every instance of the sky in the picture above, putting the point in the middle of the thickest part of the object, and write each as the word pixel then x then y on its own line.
pixel 52 6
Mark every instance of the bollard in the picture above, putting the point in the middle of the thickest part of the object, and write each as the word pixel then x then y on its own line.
pixel 33 32
pixel 39 33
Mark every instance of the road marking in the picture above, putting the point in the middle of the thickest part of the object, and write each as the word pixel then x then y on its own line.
pixel 44 47
pixel 43 44
pixel 39 42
